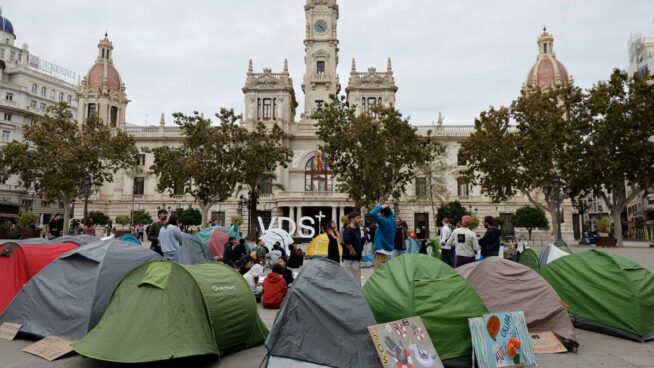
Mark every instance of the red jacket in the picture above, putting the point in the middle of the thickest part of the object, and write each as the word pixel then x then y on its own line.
pixel 274 291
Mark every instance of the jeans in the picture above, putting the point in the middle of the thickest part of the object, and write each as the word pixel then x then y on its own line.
pixel 173 256
pixel 397 253
pixel 355 268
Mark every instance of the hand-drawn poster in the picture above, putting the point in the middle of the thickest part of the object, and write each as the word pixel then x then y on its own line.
pixel 404 343
pixel 501 340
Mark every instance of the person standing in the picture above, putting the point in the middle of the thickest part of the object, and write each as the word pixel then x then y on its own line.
pixel 56 226
pixel 353 247
pixel 466 242
pixel 447 253
pixel 332 246
pixel 89 227
pixel 490 242
pixel 400 239
pixel 169 238
pixel 139 231
pixel 153 233
pixel 384 235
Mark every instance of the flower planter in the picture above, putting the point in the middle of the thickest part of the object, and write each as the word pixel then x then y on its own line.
pixel 30 233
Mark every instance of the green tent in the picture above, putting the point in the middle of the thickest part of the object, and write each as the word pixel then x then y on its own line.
pixel 605 293
pixel 416 284
pixel 162 310
pixel 529 258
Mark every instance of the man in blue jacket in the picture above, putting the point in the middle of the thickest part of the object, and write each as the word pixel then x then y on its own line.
pixel 490 242
pixel 384 235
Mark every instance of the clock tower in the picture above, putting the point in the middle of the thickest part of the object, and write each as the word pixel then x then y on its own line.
pixel 321 54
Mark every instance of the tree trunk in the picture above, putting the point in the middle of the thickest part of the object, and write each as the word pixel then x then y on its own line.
pixel 66 215
pixel 252 209
pixel 204 208
pixel 617 223
pixel 529 231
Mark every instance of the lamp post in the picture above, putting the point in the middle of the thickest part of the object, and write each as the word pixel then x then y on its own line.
pixel 553 191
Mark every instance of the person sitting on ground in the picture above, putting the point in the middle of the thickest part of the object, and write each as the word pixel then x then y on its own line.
pixel 273 255
pixel 258 252
pixel 296 257
pixel 286 272
pixel 238 251
pixel 228 250
pixel 245 245
pixel 252 278
pixel 274 288
pixel 466 242
pixel 89 227
pixel 246 264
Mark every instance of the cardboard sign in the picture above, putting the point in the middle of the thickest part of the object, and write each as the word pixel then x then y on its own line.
pixel 49 348
pixel 404 343
pixel 501 340
pixel 546 343
pixel 8 331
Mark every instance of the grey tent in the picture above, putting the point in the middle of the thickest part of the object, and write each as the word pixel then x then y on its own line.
pixel 81 239
pixel 193 251
pixel 505 285
pixel 550 254
pixel 323 321
pixel 69 296
pixel 37 241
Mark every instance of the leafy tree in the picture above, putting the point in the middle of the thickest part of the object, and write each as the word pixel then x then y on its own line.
pixel 189 216
pixel 261 154
pixel 373 155
pixel 98 217
pixel 141 217
pixel 451 210
pixel 525 147
pixel 530 218
pixel 29 219
pixel 616 154
pixel 57 156
pixel 122 220
pixel 207 164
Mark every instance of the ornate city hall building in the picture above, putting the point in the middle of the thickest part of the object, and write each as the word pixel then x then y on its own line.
pixel 309 193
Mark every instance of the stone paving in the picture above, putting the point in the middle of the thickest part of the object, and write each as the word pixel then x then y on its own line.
pixel 596 350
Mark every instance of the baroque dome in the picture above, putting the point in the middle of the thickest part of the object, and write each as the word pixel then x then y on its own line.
pixel 96 74
pixel 547 71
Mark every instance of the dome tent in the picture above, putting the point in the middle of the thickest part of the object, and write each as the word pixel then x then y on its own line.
pixel 505 285
pixel 551 253
pixel 323 321
pixel 215 238
pixel 68 297
pixel 20 262
pixel 605 293
pixel 417 284
pixel 200 309
pixel 81 239
pixel 193 251
pixel 529 258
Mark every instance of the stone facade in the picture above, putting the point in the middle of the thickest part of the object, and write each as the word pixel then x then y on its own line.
pixel 29 86
pixel 308 192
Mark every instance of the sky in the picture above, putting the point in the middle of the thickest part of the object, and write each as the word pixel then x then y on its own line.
pixel 453 57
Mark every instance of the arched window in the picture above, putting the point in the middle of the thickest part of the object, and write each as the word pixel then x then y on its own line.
pixel 35 88
pixel 317 175
pixel 113 116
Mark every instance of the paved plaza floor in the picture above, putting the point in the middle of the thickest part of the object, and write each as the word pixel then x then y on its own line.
pixel 596 350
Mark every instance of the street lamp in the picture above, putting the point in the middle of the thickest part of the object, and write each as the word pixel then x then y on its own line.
pixel 553 191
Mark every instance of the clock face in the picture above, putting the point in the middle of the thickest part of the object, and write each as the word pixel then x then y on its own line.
pixel 320 26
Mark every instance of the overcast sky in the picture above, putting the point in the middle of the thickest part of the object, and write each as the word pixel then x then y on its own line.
pixel 456 57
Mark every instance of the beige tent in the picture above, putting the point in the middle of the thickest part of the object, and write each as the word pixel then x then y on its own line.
pixel 505 285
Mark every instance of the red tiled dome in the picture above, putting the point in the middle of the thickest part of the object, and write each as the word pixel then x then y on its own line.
pixel 546 70
pixel 96 74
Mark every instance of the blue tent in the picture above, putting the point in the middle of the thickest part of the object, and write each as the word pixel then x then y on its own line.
pixel 130 239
